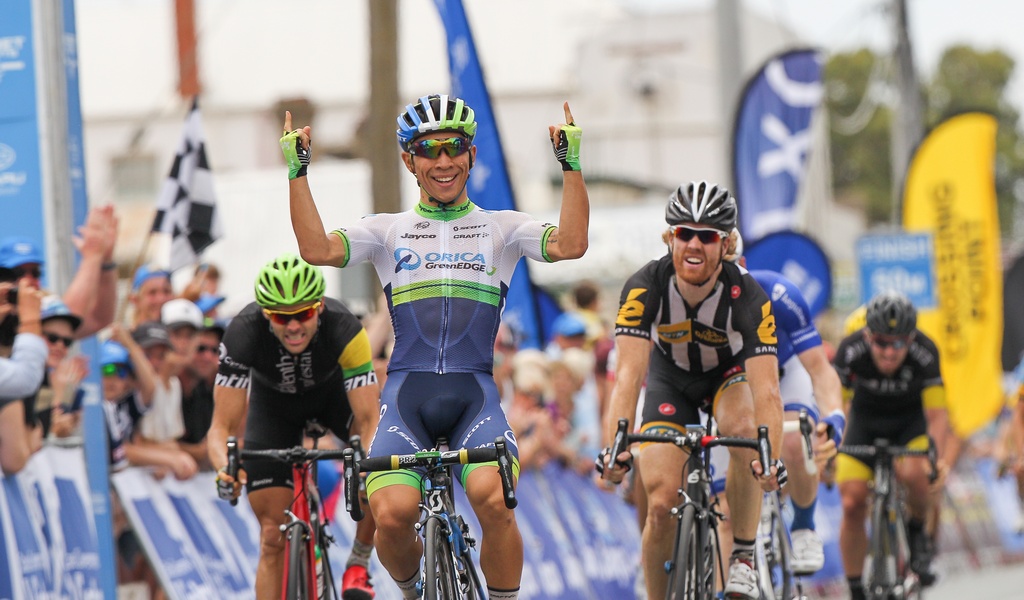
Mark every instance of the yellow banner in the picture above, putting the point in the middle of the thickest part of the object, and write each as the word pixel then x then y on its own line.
pixel 950 193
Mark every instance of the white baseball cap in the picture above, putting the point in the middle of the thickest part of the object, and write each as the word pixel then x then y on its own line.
pixel 181 312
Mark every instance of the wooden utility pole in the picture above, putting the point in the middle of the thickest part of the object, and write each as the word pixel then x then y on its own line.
pixel 730 74
pixel 384 105
pixel 908 122
pixel 188 58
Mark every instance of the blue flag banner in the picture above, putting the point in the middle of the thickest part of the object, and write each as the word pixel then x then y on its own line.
pixel 21 189
pixel 800 259
pixel 771 139
pixel 489 186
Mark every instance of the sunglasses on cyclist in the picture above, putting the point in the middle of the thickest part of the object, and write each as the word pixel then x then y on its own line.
pixel 453 147
pixel 283 317
pixel 204 348
pixel 116 370
pixel 706 236
pixel 54 338
pixel 897 343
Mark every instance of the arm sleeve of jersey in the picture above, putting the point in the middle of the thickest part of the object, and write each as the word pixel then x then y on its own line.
pixel 638 304
pixel 528 235
pixel 793 315
pixel 362 240
pixel 841 363
pixel 234 369
pixel 356 362
pixel 755 320
pixel 933 396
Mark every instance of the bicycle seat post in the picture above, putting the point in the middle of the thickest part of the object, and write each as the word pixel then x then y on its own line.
pixel 314 431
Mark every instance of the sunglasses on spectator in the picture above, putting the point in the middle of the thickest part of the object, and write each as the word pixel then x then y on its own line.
pixel 897 343
pixel 706 236
pixel 54 338
pixel 113 369
pixel 20 272
pixel 283 317
pixel 204 348
pixel 453 147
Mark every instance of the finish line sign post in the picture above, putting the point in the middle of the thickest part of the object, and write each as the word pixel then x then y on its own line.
pixel 901 262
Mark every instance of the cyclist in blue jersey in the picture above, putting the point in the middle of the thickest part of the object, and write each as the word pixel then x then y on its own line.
pixel 445 266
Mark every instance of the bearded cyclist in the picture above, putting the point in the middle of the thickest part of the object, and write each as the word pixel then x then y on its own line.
pixel 291 356
pixel 890 374
pixel 702 333
pixel 445 267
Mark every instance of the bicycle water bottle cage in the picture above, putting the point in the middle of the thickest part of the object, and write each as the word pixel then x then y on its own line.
pixel 315 430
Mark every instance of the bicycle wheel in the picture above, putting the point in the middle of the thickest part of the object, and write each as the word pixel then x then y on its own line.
pixel 773 554
pixel 296 585
pixel 439 575
pixel 881 569
pixel 691 574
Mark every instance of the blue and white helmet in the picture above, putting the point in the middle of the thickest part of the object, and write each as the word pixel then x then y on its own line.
pixel 427 115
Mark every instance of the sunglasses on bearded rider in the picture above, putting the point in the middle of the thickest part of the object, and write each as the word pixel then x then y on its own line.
pixel 280 317
pixel 706 236
pixel 453 146
pixel 897 343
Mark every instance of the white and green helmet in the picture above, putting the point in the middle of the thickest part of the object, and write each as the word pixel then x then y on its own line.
pixel 288 280
pixel 438 112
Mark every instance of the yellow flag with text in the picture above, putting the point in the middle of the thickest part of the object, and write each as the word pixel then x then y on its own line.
pixel 950 193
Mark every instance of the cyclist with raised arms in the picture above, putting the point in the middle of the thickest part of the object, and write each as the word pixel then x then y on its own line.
pixel 445 266
pixel 890 374
pixel 702 333
pixel 291 356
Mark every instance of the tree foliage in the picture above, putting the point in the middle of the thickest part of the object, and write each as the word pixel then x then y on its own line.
pixel 966 79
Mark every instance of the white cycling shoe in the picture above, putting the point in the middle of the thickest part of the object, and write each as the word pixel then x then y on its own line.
pixel 742 583
pixel 808 552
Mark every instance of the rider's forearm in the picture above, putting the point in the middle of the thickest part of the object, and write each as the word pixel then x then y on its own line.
pixel 574 218
pixel 229 406
pixel 763 376
pixel 314 243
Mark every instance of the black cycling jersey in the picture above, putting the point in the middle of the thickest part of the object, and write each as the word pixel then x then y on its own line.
pixel 733 323
pixel 286 390
pixel 888 407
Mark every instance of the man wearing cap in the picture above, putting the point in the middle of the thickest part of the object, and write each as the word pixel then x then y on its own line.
pixel 568 331
pixel 163 422
pixel 59 401
pixel 92 292
pixel 151 289
pixel 197 382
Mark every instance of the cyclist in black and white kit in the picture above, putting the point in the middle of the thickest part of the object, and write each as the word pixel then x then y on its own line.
pixel 697 327
pixel 445 267
pixel 291 356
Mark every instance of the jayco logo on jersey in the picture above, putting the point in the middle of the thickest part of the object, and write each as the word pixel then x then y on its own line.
pixel 406 258
pixel 417 236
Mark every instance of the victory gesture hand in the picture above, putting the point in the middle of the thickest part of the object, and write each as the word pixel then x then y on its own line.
pixel 565 141
pixel 297 147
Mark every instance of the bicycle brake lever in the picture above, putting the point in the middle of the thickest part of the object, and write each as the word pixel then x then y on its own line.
pixel 351 476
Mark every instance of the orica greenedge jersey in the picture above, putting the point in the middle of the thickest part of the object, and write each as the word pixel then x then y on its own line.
pixel 445 273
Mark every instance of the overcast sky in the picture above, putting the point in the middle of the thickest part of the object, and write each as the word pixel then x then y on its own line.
pixel 838 25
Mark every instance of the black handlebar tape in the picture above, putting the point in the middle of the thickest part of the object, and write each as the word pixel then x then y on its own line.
pixel 232 468
pixel 619 445
pixel 505 472
pixel 764 449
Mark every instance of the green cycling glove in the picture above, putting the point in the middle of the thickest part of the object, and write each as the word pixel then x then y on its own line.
pixel 295 155
pixel 567 150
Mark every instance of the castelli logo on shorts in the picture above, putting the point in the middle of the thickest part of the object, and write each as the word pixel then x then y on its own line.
pixel 735 291
pixel 667 409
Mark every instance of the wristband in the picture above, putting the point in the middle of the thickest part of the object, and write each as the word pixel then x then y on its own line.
pixel 837 421
pixel 295 155
pixel 108 266
pixel 567 147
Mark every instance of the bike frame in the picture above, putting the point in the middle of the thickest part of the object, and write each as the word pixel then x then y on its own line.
pixel 305 526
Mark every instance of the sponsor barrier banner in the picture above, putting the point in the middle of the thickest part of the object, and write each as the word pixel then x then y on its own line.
pixel 771 140
pixel 950 194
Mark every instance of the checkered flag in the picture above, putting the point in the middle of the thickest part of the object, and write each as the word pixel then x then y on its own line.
pixel 187 208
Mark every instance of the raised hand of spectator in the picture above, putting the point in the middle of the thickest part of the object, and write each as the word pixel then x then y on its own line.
pixel 97 236
pixel 29 306
pixel 66 377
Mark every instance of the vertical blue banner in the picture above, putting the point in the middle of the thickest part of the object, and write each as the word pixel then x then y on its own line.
pixel 489 187
pixel 799 259
pixel 20 179
pixel 771 139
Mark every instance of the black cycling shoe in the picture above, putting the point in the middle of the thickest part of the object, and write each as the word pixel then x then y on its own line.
pixel 921 555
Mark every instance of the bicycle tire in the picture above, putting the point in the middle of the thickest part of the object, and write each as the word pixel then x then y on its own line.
pixel 296 585
pixel 691 572
pixel 773 557
pixel 879 584
pixel 438 566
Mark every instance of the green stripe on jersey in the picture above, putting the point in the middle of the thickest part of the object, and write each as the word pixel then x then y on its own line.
pixel 446 288
pixel 348 246
pixel 544 243
pixel 445 213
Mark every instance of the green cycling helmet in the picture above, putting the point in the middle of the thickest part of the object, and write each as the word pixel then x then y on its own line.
pixel 288 280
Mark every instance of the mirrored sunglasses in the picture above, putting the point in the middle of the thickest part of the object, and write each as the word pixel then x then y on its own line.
pixel 116 370
pixel 898 343
pixel 706 236
pixel 453 147
pixel 283 317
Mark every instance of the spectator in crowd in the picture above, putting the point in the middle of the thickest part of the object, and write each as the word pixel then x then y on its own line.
pixel 573 393
pixel 197 381
pixel 151 289
pixel 21 372
pixel 163 421
pixel 528 415
pixel 568 331
pixel 59 401
pixel 506 344
pixel 205 282
pixel 92 293
pixel 208 303
pixel 587 298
